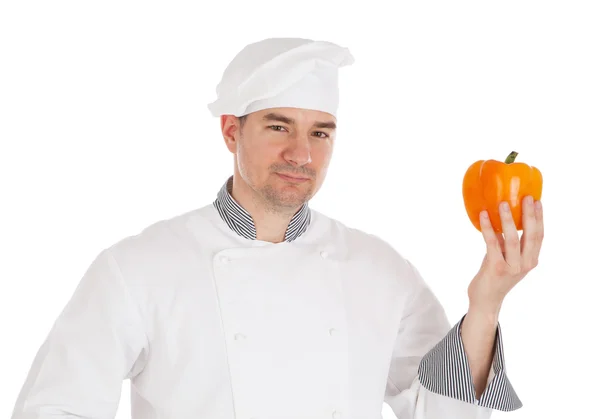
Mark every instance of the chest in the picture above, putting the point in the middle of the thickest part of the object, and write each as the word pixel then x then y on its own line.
pixel 256 329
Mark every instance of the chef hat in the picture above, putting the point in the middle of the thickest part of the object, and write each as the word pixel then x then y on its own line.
pixel 282 72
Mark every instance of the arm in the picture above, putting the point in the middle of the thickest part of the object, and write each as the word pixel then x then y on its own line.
pixel 478 331
pixel 95 343
pixel 429 374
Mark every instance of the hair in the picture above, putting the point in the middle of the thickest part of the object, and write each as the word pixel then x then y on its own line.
pixel 242 120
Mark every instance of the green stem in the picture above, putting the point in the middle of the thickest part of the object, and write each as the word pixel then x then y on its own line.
pixel 511 157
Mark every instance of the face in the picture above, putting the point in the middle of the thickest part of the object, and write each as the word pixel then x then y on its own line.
pixel 281 154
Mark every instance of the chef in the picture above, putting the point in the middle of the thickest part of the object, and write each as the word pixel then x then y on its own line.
pixel 256 306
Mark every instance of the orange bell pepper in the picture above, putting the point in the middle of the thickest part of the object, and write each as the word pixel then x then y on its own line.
pixel 488 182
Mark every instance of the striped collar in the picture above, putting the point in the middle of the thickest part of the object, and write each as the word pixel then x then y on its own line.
pixel 240 221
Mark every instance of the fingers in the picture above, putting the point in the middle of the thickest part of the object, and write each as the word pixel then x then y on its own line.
pixel 530 247
pixel 512 245
pixel 500 241
pixel 505 251
pixel 539 218
pixel 492 242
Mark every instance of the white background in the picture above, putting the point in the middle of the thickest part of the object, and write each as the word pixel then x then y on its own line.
pixel 104 130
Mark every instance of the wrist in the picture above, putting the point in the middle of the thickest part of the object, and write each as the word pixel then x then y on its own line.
pixel 488 313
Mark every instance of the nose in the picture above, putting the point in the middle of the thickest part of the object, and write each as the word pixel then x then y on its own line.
pixel 298 151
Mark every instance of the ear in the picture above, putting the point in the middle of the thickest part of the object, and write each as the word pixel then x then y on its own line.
pixel 230 128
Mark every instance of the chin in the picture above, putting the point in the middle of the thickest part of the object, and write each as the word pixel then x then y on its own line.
pixel 289 196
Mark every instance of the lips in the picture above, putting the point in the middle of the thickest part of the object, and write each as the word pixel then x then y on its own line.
pixel 292 178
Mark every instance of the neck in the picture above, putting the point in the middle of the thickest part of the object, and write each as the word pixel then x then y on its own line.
pixel 271 222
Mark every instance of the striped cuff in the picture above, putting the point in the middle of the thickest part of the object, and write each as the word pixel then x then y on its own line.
pixel 445 370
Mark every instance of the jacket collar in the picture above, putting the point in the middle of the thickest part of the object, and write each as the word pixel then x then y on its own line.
pixel 240 221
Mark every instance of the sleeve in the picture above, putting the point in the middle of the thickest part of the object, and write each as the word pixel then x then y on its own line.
pixel 499 393
pixel 96 343
pixel 429 376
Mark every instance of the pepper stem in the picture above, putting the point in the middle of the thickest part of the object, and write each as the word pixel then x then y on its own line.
pixel 511 157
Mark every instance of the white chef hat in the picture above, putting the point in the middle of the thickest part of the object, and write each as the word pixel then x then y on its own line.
pixel 282 72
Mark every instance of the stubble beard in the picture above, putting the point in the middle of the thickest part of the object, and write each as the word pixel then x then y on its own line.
pixel 284 202
pixel 276 201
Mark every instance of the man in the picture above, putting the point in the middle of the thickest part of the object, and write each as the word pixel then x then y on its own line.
pixel 257 306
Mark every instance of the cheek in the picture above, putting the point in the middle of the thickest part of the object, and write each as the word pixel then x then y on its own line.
pixel 245 161
pixel 255 158
pixel 321 156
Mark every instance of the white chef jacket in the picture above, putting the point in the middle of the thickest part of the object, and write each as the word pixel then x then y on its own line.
pixel 208 324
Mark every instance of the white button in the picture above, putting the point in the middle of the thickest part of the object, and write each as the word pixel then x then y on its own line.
pixel 224 259
pixel 336 414
pixel 333 332
pixel 324 254
pixel 239 336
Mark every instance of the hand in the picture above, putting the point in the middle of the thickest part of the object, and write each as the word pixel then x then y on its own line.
pixel 507 260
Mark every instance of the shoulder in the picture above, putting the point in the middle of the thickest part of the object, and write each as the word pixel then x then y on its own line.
pixel 373 257
pixel 362 245
pixel 161 245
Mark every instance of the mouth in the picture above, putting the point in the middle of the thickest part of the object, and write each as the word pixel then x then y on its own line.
pixel 295 179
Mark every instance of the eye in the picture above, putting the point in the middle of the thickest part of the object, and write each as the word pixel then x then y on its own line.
pixel 275 127
pixel 321 132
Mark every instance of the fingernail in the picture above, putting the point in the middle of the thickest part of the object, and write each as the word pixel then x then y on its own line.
pixel 529 200
pixel 504 206
pixel 538 204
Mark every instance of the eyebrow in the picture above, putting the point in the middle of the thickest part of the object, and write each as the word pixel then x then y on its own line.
pixel 290 121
